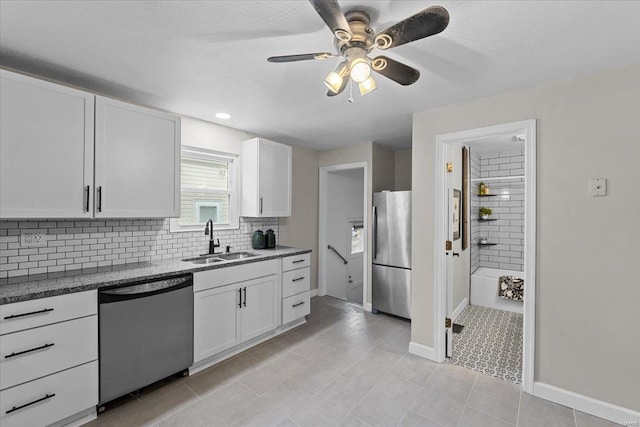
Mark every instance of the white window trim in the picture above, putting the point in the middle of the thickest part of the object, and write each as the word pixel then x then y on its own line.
pixel 232 176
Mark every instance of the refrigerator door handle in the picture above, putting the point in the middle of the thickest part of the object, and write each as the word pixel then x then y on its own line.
pixel 375 233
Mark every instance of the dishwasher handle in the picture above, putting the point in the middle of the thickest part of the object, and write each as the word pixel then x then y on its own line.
pixel 141 290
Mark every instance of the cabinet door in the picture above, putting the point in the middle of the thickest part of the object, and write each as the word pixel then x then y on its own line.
pixel 274 179
pixel 259 307
pixel 215 321
pixel 137 161
pixel 46 149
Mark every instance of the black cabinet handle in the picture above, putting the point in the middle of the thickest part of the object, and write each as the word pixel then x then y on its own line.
pixel 100 199
pixel 245 296
pixel 297 261
pixel 239 297
pixel 13 316
pixel 260 204
pixel 298 304
pixel 42 347
pixel 17 408
pixel 299 278
pixel 86 197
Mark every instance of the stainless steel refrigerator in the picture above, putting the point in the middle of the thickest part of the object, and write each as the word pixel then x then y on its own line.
pixel 391 281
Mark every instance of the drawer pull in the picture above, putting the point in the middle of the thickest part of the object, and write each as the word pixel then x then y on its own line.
pixel 17 408
pixel 298 304
pixel 297 261
pixel 299 278
pixel 13 316
pixel 42 347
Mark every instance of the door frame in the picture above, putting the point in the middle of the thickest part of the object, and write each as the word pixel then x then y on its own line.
pixel 528 129
pixel 322 228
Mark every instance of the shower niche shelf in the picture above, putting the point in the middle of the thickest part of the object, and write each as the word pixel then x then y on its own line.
pixel 487 219
pixel 487 195
pixel 487 244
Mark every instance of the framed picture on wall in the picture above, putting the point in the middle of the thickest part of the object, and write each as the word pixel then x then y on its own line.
pixel 457 209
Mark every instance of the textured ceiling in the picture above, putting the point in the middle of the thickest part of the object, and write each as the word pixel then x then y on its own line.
pixel 197 58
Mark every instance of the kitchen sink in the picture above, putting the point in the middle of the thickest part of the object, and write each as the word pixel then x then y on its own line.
pixel 212 259
pixel 236 255
pixel 204 260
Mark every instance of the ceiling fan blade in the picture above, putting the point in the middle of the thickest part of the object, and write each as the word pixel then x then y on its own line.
pixel 331 14
pixel 394 70
pixel 430 21
pixel 301 57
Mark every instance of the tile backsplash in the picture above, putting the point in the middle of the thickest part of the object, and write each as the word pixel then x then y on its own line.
pixel 80 244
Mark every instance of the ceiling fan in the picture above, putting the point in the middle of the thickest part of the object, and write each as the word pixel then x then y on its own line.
pixel 354 40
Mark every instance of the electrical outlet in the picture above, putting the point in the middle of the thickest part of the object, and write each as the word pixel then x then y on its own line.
pixel 33 239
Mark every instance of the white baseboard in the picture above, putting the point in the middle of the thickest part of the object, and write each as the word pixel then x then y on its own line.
pixel 314 292
pixel 422 351
pixel 589 405
pixel 367 306
pixel 459 308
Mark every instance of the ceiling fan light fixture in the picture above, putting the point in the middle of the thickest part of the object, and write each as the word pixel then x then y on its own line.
pixel 333 81
pixel 367 86
pixel 360 70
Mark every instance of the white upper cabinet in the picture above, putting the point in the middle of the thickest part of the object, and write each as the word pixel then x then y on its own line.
pixel 137 161
pixel 46 149
pixel 266 178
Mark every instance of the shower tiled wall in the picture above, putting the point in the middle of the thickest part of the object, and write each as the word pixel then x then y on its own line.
pixel 80 244
pixel 508 209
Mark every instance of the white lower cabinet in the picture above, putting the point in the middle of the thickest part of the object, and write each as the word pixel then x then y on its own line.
pixel 50 399
pixel 296 307
pixel 48 359
pixel 259 307
pixel 215 321
pixel 296 285
pixel 37 352
pixel 226 315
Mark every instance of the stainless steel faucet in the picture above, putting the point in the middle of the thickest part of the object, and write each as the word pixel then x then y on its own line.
pixel 208 231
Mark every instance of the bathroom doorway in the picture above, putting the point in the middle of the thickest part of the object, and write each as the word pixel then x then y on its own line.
pixel 483 326
pixel 343 232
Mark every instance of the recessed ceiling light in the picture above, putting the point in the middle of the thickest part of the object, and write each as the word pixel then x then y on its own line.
pixel 223 116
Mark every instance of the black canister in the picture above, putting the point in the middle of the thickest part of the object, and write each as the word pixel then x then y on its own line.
pixel 271 239
pixel 258 240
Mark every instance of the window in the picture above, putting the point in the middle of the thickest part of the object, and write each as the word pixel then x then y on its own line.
pixel 357 238
pixel 207 190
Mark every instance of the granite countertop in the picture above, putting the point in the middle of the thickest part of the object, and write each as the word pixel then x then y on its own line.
pixel 25 288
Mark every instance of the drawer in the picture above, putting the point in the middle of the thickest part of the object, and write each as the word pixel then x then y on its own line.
pixel 38 312
pixel 238 273
pixel 296 307
pixel 50 399
pixel 47 349
pixel 296 281
pixel 296 261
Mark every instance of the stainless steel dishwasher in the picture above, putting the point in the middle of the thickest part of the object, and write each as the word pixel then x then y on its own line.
pixel 146 334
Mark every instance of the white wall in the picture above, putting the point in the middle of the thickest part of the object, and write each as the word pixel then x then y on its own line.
pixel 587 318
pixel 344 202
pixel 403 170
pixel 301 228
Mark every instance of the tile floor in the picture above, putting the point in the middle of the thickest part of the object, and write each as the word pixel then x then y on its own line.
pixel 490 342
pixel 344 367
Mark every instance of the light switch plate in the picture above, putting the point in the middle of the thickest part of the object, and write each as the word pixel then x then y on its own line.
pixel 597 187
pixel 33 239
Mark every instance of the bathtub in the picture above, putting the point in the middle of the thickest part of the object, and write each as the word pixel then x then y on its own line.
pixel 484 289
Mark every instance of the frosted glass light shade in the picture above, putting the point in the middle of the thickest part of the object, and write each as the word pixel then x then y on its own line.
pixel 360 70
pixel 367 86
pixel 333 81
